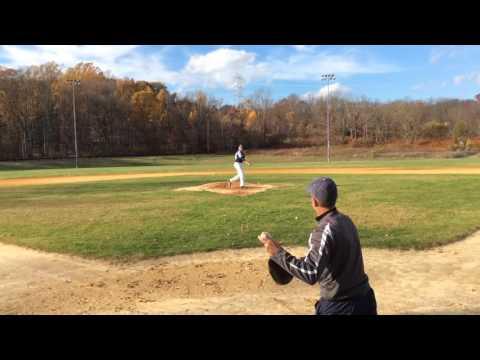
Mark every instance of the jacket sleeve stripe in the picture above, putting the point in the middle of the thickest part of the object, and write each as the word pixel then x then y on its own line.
pixel 302 269
pixel 326 232
pixel 313 251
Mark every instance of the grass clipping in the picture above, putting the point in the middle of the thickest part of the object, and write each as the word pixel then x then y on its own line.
pixel 225 189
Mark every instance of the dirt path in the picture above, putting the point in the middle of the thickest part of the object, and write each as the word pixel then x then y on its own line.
pixel 441 281
pixel 377 171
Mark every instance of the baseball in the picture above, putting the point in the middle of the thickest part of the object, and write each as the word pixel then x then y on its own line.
pixel 265 236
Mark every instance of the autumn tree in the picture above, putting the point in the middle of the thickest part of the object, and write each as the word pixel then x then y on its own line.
pixel 135 117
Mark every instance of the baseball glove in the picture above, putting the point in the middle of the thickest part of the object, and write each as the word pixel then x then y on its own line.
pixel 278 274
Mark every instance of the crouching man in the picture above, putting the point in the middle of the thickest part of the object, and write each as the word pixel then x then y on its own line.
pixel 334 258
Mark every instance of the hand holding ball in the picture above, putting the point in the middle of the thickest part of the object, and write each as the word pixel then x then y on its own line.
pixel 270 245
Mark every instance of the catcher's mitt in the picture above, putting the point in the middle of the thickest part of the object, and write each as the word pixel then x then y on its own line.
pixel 278 274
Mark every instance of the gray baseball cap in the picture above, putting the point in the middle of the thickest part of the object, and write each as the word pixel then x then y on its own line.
pixel 324 190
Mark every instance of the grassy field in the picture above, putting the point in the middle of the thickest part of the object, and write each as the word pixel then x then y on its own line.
pixel 155 164
pixel 146 218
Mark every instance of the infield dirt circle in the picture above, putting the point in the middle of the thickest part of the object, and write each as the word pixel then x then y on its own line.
pixel 229 189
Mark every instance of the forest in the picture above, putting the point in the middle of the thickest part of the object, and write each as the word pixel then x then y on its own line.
pixel 122 117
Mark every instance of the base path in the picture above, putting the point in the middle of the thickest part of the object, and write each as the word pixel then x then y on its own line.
pixel 444 280
pixel 287 171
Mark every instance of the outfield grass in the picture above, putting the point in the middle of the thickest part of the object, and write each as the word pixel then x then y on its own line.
pixel 155 164
pixel 146 218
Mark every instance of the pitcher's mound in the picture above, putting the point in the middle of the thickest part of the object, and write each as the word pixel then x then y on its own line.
pixel 223 188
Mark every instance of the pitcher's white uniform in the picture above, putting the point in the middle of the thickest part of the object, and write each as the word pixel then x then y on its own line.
pixel 238 165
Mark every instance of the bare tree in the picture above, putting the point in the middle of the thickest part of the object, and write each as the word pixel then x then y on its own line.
pixel 134 117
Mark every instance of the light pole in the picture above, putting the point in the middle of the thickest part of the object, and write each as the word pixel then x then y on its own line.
pixel 238 85
pixel 328 78
pixel 75 83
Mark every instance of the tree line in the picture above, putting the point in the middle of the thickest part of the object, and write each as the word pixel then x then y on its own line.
pixel 121 117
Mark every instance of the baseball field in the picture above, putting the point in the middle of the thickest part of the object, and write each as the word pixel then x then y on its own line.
pixel 116 235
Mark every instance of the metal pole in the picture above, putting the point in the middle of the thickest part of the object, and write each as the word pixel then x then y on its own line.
pixel 328 78
pixel 328 120
pixel 75 124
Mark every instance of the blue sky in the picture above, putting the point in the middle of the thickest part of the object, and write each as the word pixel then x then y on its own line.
pixel 377 72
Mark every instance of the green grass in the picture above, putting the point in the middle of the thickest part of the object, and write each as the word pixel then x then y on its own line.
pixel 154 164
pixel 146 218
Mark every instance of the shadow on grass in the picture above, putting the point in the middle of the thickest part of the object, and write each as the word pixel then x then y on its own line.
pixel 87 163
pixel 105 187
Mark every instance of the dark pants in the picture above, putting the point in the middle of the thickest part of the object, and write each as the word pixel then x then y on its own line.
pixel 365 305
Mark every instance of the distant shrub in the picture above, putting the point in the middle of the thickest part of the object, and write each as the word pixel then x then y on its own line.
pixel 468 144
pixel 460 132
pixel 461 154
pixel 434 130
pixel 473 146
pixel 359 143
pixel 461 136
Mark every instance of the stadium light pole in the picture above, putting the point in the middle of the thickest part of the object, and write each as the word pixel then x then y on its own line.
pixel 74 84
pixel 328 78
pixel 238 86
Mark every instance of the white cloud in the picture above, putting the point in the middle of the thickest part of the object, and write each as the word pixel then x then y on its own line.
pixel 428 86
pixel 457 80
pixel 336 89
pixel 215 69
pixel 474 76
pixel 446 51
pixel 142 67
pixel 219 68
pixel 304 48
pixel 63 54
pixel 121 60
pixel 312 66
pixel 438 53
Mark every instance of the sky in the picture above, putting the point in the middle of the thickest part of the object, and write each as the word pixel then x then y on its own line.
pixel 383 73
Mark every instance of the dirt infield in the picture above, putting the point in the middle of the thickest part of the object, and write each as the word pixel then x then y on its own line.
pixel 229 189
pixel 365 171
pixel 445 280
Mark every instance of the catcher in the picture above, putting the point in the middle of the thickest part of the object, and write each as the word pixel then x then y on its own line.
pixel 334 258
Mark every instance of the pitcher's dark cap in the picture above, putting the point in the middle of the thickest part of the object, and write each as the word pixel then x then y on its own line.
pixel 324 190
pixel 278 274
